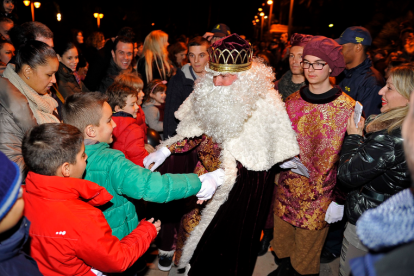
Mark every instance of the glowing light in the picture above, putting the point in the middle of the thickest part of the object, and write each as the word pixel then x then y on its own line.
pixel 257 20
pixel 255 16
pixel 260 9
pixel 270 2
pixel 26 3
pixel 59 17
pixel 101 15
pixel 262 14
pixel 96 15
pixel 330 25
pixel 37 5
pixel 152 24
pixel 266 17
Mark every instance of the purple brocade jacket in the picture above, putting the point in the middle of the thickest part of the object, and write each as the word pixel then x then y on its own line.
pixel 320 129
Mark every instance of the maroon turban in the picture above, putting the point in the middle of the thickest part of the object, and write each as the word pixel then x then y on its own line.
pixel 231 54
pixel 328 50
pixel 300 39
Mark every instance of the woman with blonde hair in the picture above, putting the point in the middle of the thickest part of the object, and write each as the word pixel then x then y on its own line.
pixel 374 166
pixel 154 62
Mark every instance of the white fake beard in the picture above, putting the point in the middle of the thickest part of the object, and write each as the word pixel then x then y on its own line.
pixel 221 111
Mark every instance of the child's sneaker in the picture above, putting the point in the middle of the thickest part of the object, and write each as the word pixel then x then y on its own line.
pixel 165 259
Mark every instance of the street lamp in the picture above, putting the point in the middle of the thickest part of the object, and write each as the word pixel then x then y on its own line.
pixel 261 25
pixel 98 17
pixel 59 17
pixel 32 6
pixel 270 2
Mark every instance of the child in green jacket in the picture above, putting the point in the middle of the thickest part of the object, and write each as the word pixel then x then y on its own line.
pixel 109 168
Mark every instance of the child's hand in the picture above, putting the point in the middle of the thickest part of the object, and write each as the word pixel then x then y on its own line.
pixel 157 224
pixel 200 201
pixel 149 148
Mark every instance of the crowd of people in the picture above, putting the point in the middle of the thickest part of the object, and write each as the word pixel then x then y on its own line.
pixel 234 146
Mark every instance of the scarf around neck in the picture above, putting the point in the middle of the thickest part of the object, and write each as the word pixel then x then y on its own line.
pixel 42 106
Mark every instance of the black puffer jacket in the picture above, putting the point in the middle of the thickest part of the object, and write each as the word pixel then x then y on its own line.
pixel 376 164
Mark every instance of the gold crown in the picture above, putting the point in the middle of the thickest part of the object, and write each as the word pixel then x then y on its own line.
pixel 230 61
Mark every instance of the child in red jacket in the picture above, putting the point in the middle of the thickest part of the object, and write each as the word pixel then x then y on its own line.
pixel 69 235
pixel 128 135
pixel 135 82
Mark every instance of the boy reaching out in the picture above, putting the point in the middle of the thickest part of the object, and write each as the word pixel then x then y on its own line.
pixel 69 235
pixel 91 113
pixel 128 136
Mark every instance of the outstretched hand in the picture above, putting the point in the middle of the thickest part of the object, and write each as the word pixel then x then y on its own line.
pixel 157 224
pixel 155 159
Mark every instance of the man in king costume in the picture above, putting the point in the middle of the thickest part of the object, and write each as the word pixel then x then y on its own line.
pixel 239 127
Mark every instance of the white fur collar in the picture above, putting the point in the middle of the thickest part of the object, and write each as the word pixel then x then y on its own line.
pixel 267 137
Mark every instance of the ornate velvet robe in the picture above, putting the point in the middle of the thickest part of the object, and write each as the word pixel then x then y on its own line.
pixel 320 123
pixel 229 227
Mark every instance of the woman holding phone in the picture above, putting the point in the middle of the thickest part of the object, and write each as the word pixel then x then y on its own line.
pixel 374 165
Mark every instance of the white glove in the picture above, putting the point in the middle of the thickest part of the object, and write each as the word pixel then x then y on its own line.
pixel 157 158
pixel 288 164
pixel 209 183
pixel 295 166
pixel 334 213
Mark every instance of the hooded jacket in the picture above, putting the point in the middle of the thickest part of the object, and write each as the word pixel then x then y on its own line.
pixel 129 138
pixel 125 181
pixel 70 236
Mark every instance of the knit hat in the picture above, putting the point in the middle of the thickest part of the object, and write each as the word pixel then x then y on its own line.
pixel 328 50
pixel 300 39
pixel 10 180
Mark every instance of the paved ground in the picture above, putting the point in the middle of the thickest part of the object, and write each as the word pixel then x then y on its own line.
pixel 264 265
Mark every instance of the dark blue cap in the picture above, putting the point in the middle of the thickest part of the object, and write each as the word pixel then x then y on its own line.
pixel 221 30
pixel 355 35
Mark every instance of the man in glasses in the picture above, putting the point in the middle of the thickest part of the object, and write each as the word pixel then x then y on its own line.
pixel 319 113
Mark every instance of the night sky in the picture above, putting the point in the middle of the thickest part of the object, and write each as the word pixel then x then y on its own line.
pixel 196 17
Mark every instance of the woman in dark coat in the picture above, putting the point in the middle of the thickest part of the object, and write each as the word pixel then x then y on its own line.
pixel 68 81
pixel 374 166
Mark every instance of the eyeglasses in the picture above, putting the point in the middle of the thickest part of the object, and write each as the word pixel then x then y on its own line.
pixel 315 66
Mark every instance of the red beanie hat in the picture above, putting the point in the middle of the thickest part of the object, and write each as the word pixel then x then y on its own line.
pixel 328 50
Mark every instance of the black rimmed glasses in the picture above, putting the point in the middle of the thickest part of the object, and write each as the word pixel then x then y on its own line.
pixel 315 65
